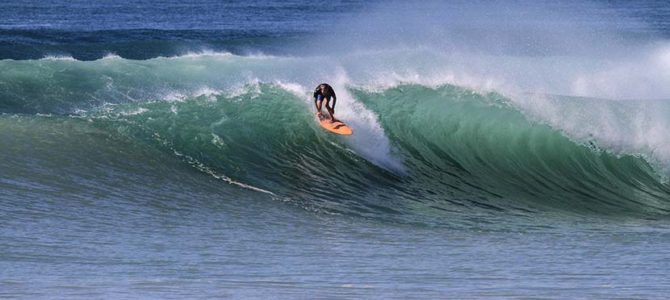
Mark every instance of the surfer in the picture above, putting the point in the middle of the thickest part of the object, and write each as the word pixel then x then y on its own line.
pixel 325 91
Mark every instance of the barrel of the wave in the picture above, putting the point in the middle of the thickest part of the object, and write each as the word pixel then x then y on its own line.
pixel 337 127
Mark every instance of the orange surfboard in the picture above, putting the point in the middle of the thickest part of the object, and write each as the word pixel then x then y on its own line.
pixel 337 127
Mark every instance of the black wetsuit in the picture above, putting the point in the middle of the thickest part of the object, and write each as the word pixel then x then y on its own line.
pixel 328 93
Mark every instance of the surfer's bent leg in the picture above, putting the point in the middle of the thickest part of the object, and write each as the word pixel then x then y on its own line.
pixel 317 102
pixel 331 109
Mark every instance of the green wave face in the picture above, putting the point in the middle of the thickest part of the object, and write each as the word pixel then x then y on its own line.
pixel 265 138
pixel 433 151
pixel 463 153
pixel 455 139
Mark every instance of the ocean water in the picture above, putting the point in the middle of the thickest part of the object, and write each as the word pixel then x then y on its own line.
pixel 501 150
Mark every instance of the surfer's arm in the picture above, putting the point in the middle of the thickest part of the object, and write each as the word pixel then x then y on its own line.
pixel 334 100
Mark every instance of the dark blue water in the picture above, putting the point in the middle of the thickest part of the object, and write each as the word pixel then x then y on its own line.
pixel 169 150
pixel 145 29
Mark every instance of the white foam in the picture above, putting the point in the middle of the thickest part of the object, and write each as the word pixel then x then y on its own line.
pixel 369 139
pixel 293 88
pixel 203 53
pixel 218 141
pixel 643 75
pixel 181 96
pixel 250 87
pixel 111 56
pixel 174 96
pixel 207 92
pixel 133 112
pixel 59 57
pixel 207 53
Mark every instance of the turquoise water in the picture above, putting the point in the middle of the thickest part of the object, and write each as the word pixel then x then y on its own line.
pixel 498 153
